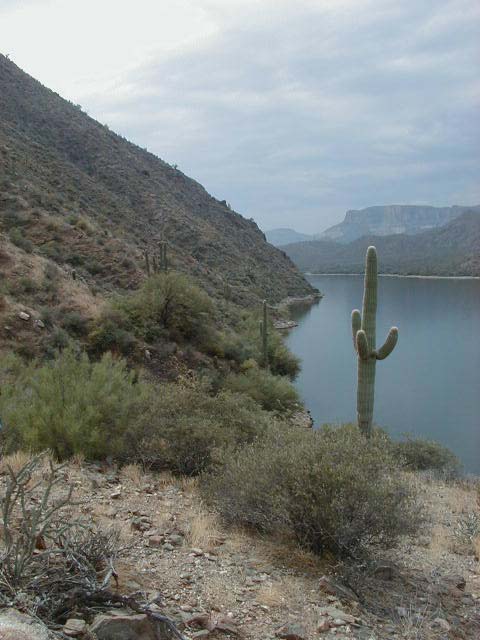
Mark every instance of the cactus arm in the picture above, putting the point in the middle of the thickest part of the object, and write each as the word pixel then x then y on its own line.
pixel 362 345
pixel 356 325
pixel 389 344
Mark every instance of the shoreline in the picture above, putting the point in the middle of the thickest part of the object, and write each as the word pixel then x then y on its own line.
pixel 398 275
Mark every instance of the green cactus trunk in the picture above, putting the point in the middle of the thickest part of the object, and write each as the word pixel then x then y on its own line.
pixel 264 335
pixel 364 340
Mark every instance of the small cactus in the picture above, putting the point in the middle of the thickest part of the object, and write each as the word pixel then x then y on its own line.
pixel 264 334
pixel 364 341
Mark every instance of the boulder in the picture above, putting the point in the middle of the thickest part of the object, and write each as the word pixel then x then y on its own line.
pixel 18 626
pixel 123 627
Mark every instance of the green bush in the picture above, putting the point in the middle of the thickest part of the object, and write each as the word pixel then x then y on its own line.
pixel 18 238
pixel 169 305
pixel 331 489
pixel 72 405
pixel 75 324
pixel 273 393
pixel 110 333
pixel 418 454
pixel 184 428
pixel 245 343
pixel 69 405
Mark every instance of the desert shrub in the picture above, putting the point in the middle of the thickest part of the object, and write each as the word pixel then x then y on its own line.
pixel 184 428
pixel 245 343
pixel 331 489
pixel 273 393
pixel 170 305
pixel 110 333
pixel 18 238
pixel 73 406
pixel 69 405
pixel 75 324
pixel 417 454
pixel 26 285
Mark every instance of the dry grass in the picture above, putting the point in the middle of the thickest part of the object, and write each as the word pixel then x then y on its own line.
pixel 14 461
pixel 204 530
pixel 166 479
pixel 134 474
pixel 272 595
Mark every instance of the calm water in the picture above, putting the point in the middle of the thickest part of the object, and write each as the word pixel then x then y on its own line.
pixel 429 386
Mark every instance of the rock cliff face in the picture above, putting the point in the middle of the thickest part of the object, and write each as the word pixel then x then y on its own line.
pixel 391 220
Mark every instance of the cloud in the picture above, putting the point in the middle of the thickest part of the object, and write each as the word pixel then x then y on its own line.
pixel 296 110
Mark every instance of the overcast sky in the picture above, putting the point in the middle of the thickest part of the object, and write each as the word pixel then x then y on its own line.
pixel 292 110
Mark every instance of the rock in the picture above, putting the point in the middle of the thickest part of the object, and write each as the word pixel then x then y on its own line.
pixel 332 587
pixel 167 546
pixel 39 323
pixel 24 316
pixel 338 614
pixel 402 612
pixel 116 494
pixel 175 539
pixel 441 623
pixel 291 632
pixel 323 626
pixel 18 626
pixel 385 572
pixel 155 541
pixel 74 627
pixel 123 627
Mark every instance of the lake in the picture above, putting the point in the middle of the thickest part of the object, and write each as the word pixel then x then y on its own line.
pixel 429 386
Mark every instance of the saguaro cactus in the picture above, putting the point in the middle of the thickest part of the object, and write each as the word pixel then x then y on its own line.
pixel 364 341
pixel 264 334
pixel 163 257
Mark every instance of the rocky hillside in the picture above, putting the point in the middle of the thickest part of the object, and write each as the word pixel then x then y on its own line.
pixel 453 249
pixel 75 193
pixel 392 219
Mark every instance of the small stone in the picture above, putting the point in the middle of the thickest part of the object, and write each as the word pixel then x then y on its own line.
pixel 24 316
pixel 74 627
pixel 204 633
pixel 116 494
pixel 291 632
pixel 402 612
pixel 442 624
pixel 39 323
pixel 168 547
pixel 384 572
pixel 155 541
pixel 323 626
pixel 196 551
pixel 175 539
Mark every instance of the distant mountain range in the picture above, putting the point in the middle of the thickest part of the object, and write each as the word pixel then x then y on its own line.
pixel 452 249
pixel 385 220
pixel 392 220
pixel 279 237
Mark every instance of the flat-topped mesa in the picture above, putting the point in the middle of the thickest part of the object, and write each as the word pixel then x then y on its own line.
pixel 364 341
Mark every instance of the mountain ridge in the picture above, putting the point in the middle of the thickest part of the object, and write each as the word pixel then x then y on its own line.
pixel 450 250
pixel 57 161
pixel 392 219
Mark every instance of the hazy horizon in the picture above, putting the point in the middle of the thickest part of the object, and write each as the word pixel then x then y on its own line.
pixel 292 111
